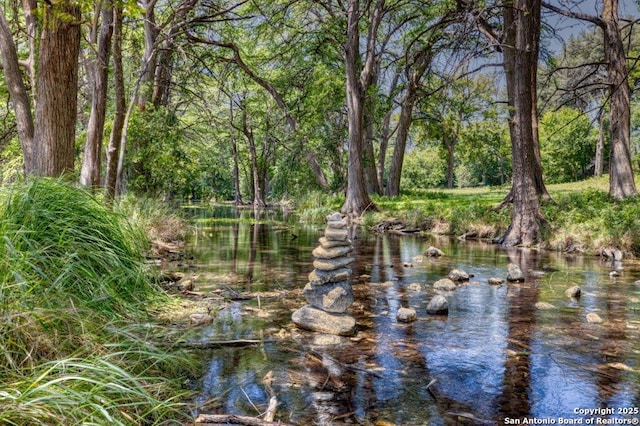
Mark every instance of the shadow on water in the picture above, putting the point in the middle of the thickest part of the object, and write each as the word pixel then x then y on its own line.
pixel 497 358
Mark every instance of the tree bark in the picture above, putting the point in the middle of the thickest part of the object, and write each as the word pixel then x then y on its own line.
pixel 90 174
pixel 414 71
pixel 522 23
pixel 149 57
pixel 113 151
pixel 358 77
pixel 18 93
pixel 57 88
pixel 621 181
pixel 598 167
pixel 386 133
pixel 258 196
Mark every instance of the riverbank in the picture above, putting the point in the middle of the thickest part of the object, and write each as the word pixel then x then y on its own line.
pixel 580 217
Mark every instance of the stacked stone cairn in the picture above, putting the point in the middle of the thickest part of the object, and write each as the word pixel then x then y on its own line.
pixel 328 292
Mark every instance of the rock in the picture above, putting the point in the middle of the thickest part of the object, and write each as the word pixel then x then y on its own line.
pixel 327 340
pixel 573 291
pixel 593 318
pixel 614 274
pixel 544 306
pixel 406 315
pixel 444 284
pixel 458 275
pixel 314 319
pixel 415 287
pixel 418 259
pixel 333 297
pixel 433 252
pixel 612 253
pixel 336 234
pixel 200 319
pixel 438 305
pixel 332 264
pixel 407 265
pixel 331 253
pixel 514 273
pixel 334 217
pixel 327 244
pixel 637 283
pixel 495 281
pixel 318 277
pixel 185 285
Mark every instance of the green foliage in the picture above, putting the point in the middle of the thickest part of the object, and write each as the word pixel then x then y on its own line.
pixel 165 159
pixel 567 145
pixel 484 154
pixel 423 168
pixel 72 280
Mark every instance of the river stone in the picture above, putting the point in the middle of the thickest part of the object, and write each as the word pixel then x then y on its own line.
pixel 433 252
pixel 573 291
pixel 314 319
pixel 438 305
pixel 318 277
pixel 544 306
pixel 331 253
pixel 415 287
pixel 332 217
pixel 495 281
pixel 514 273
pixel 333 297
pixel 336 234
pixel 593 318
pixel 332 264
pixel 458 275
pixel 337 224
pixel 444 284
pixel 406 315
pixel 612 253
pixel 327 340
pixel 327 244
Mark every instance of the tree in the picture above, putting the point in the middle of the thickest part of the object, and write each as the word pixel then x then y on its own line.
pixel 358 79
pixel 90 174
pixel 49 151
pixel 621 180
pixel 522 25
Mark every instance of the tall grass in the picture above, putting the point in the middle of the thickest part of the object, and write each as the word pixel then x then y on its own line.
pixel 73 287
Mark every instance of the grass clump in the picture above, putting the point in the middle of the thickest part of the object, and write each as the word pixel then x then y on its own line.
pixel 73 289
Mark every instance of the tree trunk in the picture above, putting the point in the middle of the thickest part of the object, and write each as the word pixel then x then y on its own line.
pixel 522 23
pixel 450 143
pixel 113 151
pixel 90 174
pixel 149 57
pixel 18 93
pixel 357 199
pixel 598 167
pixel 385 134
pixel 56 99
pixel 419 64
pixel 621 183
pixel 369 162
pixel 258 198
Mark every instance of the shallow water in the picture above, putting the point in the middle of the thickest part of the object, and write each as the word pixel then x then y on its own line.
pixel 495 359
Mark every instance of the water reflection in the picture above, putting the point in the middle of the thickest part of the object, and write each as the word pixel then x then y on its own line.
pixel 495 356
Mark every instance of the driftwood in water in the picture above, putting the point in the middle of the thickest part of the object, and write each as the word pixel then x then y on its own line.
pixel 207 419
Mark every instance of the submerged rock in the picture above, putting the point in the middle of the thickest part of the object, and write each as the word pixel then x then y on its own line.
pixel 495 281
pixel 438 305
pixel 594 318
pixel 544 306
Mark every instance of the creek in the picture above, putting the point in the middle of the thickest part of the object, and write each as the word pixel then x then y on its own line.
pixel 497 358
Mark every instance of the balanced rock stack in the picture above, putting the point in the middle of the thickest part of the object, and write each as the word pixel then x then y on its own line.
pixel 328 292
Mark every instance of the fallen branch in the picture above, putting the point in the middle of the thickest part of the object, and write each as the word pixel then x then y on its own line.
pixel 219 343
pixel 205 419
